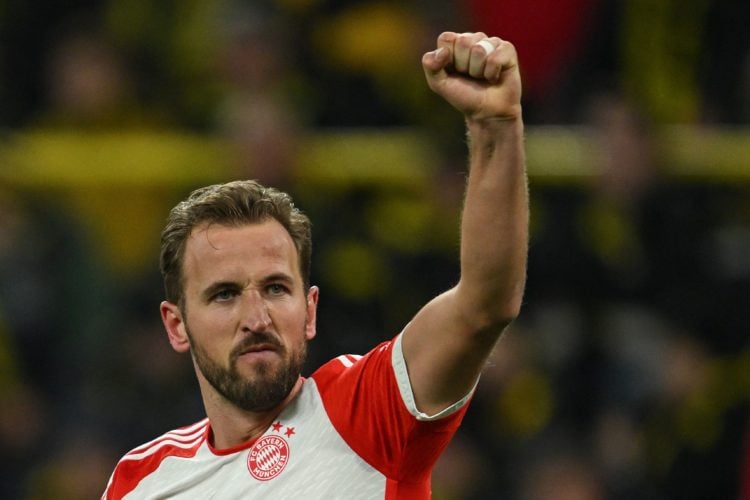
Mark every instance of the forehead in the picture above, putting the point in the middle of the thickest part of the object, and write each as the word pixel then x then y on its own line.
pixel 216 251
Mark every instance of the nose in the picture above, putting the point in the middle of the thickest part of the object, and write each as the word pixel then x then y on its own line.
pixel 255 314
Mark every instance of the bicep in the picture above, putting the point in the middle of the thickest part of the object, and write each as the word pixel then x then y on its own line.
pixel 445 352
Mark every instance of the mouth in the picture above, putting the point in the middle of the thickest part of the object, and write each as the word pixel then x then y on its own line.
pixel 257 348
pixel 257 352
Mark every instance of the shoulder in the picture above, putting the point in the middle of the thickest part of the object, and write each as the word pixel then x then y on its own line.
pixel 145 459
pixel 352 366
pixel 381 374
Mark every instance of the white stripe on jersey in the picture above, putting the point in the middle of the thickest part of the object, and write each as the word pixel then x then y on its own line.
pixel 348 359
pixel 162 444
pixel 190 433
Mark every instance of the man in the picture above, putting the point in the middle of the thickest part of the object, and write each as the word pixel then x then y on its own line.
pixel 235 259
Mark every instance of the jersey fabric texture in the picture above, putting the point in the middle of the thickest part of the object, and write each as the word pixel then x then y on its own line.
pixel 352 432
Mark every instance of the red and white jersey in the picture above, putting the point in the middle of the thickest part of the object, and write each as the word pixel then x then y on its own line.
pixel 353 431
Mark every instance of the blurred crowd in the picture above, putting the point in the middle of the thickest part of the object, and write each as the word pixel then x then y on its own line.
pixel 627 375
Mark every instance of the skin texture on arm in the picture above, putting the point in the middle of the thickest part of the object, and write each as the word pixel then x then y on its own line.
pixel 448 341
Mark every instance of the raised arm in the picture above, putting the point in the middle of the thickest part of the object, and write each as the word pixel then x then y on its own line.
pixel 447 343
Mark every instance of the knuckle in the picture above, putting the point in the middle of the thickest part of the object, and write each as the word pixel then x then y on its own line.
pixel 506 45
pixel 446 36
pixel 465 41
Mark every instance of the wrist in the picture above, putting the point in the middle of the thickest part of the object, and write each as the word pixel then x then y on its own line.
pixel 494 128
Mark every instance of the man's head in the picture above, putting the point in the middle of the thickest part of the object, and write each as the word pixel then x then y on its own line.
pixel 232 204
pixel 235 259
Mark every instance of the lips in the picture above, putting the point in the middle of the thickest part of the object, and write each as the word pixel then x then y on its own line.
pixel 258 355
pixel 258 348
pixel 257 344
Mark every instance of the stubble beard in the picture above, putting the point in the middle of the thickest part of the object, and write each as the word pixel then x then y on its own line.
pixel 267 388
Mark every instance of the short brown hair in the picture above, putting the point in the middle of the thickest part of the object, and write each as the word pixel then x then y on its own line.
pixel 235 203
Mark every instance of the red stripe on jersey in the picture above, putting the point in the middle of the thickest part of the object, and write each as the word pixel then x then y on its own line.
pixel 142 461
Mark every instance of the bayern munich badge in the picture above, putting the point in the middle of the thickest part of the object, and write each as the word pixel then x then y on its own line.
pixel 268 457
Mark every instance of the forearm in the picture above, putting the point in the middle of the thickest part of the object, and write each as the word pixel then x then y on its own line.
pixel 494 230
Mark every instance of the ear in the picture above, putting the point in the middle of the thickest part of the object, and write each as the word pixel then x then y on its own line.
pixel 312 310
pixel 171 316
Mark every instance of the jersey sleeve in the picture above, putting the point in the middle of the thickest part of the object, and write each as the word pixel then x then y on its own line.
pixel 369 401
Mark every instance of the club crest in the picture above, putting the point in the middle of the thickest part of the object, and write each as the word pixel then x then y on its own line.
pixel 268 457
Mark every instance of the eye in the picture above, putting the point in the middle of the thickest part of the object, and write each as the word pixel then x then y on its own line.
pixel 224 295
pixel 277 289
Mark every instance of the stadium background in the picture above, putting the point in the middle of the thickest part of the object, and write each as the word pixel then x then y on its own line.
pixel 627 374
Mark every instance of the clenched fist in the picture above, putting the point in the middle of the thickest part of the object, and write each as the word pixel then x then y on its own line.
pixel 476 74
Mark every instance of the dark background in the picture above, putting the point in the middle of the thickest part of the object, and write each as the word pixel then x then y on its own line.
pixel 627 374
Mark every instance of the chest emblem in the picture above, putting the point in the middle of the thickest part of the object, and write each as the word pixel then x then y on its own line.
pixel 269 455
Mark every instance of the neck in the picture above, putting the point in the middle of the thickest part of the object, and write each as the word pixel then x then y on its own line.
pixel 232 426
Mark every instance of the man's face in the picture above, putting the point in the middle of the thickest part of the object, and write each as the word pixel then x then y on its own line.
pixel 246 317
